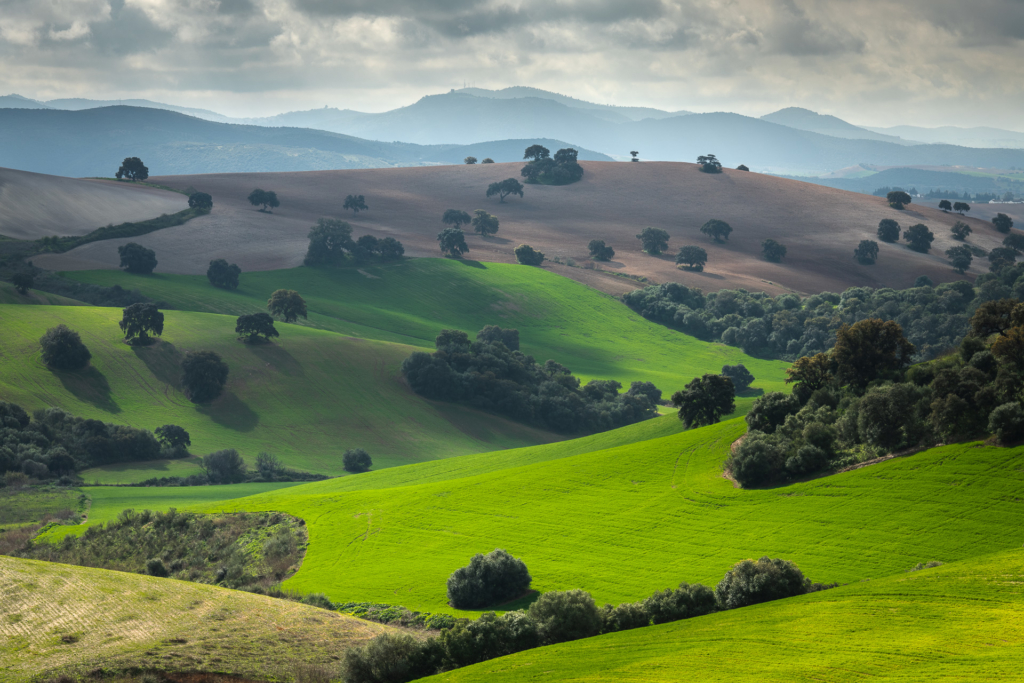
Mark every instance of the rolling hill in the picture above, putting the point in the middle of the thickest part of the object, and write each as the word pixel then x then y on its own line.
pixel 805 119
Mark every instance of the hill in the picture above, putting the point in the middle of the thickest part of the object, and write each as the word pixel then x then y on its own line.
pixel 609 112
pixel 953 623
pixel 613 202
pixel 979 136
pixel 925 180
pixel 805 119
pixel 34 205
pixel 64 619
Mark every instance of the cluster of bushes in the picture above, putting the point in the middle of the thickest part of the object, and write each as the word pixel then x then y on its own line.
pixel 491 373
pixel 934 318
pixel 562 616
pixel 114 296
pixel 862 400
pixel 331 243
pixel 560 170
pixel 229 467
pixel 112 232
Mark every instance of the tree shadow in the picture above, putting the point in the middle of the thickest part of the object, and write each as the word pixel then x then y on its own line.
pixel 470 263
pixel 89 385
pixel 230 411
pixel 163 360
pixel 704 273
pixel 273 355
pixel 523 602
pixel 750 392
pixel 495 239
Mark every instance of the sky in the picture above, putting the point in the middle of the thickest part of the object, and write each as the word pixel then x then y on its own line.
pixel 871 62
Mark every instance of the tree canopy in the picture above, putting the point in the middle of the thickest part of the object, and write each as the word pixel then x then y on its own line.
pixel 469 161
pixel 356 460
pixel 488 580
pixel 456 218
pixel 960 258
pixel 716 229
pixel 898 199
pixel 709 163
pixel 222 274
pixel 452 242
pixel 960 231
pixel 869 350
pixel 705 400
pixel 264 198
pixel 329 239
pixel 200 200
pixel 692 257
pixel 773 251
pixel 23 281
pixel 505 188
pixel 653 240
pixel 961 207
pixel 287 304
pixel 945 205
pixel 136 258
pixel 560 170
pixel 484 223
pixel 355 203
pixel 139 320
pixel 1002 222
pixel 203 375
pixel 866 252
pixel 528 256
pixel 919 237
pixel 133 169
pixel 740 376
pixel 537 152
pixel 888 230
pixel 255 327
pixel 599 251
pixel 63 349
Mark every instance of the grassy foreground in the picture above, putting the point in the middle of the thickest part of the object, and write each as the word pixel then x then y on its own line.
pixel 960 622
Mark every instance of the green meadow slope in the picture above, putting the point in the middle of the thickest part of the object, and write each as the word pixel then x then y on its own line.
pixel 628 520
pixel 960 622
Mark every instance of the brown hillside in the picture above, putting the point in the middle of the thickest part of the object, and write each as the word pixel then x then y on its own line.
pixel 614 201
pixel 33 205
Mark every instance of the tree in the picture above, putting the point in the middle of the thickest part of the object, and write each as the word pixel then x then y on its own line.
pixel 200 200
pixel 23 281
pixel 222 274
pixel 961 207
pixel 252 326
pixel 772 250
pixel 705 400
pixel 63 349
pixel 329 239
pixel 1015 241
pixel 740 376
pixel 452 242
pixel 456 218
pixel 173 437
pixel 635 154
pixel 996 317
pixel 528 256
pixel 1007 423
pixel 390 249
pixel 138 320
pixel 898 199
pixel 268 465
pixel 945 205
pixel 484 223
pixel 536 152
pixel 811 372
pixel 960 231
pixel 599 251
pixel 919 237
pixel 356 460
pixel 770 411
pixel 716 229
pixel 866 252
pixel 356 203
pixel 709 163
pixel 742 167
pixel 1001 257
pixel 267 199
pixel 888 230
pixel 491 334
pixel 565 615
pixel 135 258
pixel 133 169
pixel 487 160
pixel 469 161
pixel 870 349
pixel 692 257
pixel 488 580
pixel 653 240
pixel 505 188
pixel 224 467
pixel 203 375
pixel 750 582
pixel 1002 222
pixel 287 304
pixel 960 258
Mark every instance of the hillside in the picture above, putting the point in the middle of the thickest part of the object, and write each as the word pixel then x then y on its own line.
pixel 34 205
pixel 979 136
pixel 959 622
pixel 820 226
pixel 59 618
pixel 805 119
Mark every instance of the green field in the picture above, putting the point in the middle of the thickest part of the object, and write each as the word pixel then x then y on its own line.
pixel 960 622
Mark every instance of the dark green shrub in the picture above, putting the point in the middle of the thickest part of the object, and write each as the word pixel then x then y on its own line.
pixel 318 600
pixel 770 411
pixel 489 579
pixel 808 459
pixel 223 274
pixel 356 460
pixel 758 459
pixel 136 258
pixel 388 658
pixel 750 582
pixel 1007 422
pixel 155 567
pixel 623 617
pixel 689 600
pixel 565 615
pixel 528 256
pixel 63 349
pixel 203 375
pixel 224 467
pixel 740 376
pixel 200 200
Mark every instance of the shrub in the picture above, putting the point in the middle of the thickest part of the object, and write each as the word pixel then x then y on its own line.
pixel 628 615
pixel 750 582
pixel 135 258
pixel 356 460
pixel 565 615
pixel 1007 422
pixel 740 376
pixel 155 567
pixel 63 349
pixel 528 256
pixel 223 274
pixel 203 375
pixel 388 658
pixel 268 465
pixel 224 467
pixel 488 580
pixel 200 200
pixel 682 603
pixel 758 459
pixel 599 251
pixel 492 333
pixel 770 411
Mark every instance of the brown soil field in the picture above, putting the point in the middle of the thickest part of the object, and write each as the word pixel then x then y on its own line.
pixel 33 205
pixel 820 226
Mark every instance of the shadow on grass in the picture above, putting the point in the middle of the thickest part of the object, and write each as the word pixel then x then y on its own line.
pixel 163 360
pixel 89 385
pixel 471 263
pixel 523 602
pixel 750 392
pixel 275 356
pixel 230 411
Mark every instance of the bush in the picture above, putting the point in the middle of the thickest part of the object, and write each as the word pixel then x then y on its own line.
pixel 528 256
pixel 565 615
pixel 750 582
pixel 203 376
pixel 135 258
pixel 224 467
pixel 757 460
pixel 682 603
pixel 888 230
pixel 628 615
pixel 599 251
pixel 1007 423
pixel 200 200
pixel 388 658
pixel 356 460
pixel 740 376
pixel 155 567
pixel 223 274
pixel 63 349
pixel 770 411
pixel 488 580
pixel 773 251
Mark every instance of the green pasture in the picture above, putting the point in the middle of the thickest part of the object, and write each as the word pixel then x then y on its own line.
pixel 960 622
pixel 134 472
pixel 307 397
pixel 629 520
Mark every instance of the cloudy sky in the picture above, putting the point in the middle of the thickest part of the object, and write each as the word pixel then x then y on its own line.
pixel 874 62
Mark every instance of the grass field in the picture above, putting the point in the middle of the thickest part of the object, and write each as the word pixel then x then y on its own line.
pixel 960 622
pixel 632 519
pixel 58 618
pixel 30 505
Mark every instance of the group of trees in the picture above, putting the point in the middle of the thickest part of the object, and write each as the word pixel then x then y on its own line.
pixel 862 399
pixel 472 160
pixel 560 170
pixel 960 207
pixel 483 223
pixel 491 373
pixel 709 163
pixel 331 243
pixel 599 251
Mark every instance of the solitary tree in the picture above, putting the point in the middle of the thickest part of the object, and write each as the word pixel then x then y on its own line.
pixel 267 199
pixel 469 161
pixel 253 326
pixel 484 223
pixel 223 274
pixel 355 203
pixel 961 207
pixel 268 465
pixel 866 252
pixel 716 229
pixel 742 167
pixel 960 231
pixel 709 163
pixel 919 237
pixel 133 169
pixel 135 258
pixel 705 400
pixel 537 152
pixel 960 258
pixel 528 256
pixel 635 155
pixel 63 349
pixel 740 376
pixel 1014 241
pixel 200 200
pixel 356 460
pixel 868 350
pixel 599 251
pixel 1002 222
pixel 692 257
pixel 772 250
pixel 505 188
pixel 898 199
pixel 488 580
pixel 452 242
pixel 138 320
pixel 654 240
pixel 287 304
pixel 487 160
pixel 173 438
pixel 888 230
pixel 456 218
pixel 328 241
pixel 945 205
pixel 23 281
pixel 203 375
